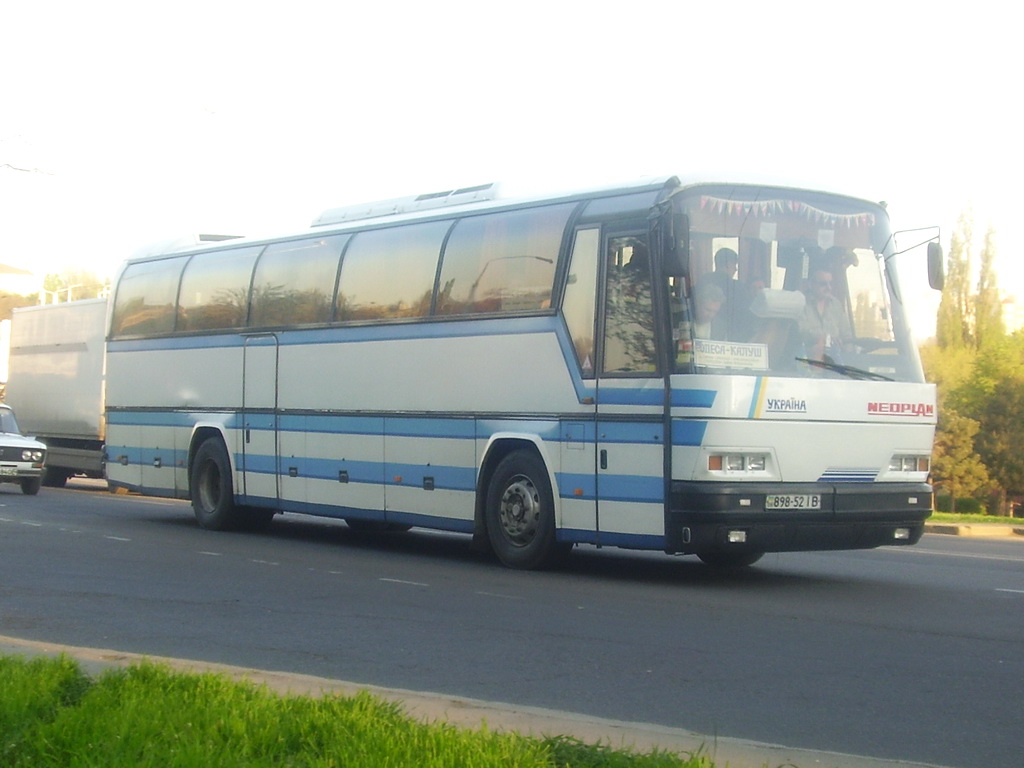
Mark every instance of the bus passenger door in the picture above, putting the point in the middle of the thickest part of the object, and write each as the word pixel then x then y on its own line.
pixel 258 437
pixel 630 400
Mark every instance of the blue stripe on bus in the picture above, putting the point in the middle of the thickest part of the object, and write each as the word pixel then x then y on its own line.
pixel 365 472
pixel 570 482
pixel 688 432
pixel 152 419
pixel 643 433
pixel 328 424
pixel 634 489
pixel 693 398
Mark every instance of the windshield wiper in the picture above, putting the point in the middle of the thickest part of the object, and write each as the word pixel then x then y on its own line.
pixel 845 370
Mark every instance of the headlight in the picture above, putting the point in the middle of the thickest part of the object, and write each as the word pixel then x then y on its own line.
pixel 737 462
pixel 30 455
pixel 905 463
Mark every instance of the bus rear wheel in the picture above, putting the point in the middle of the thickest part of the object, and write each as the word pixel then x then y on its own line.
pixel 520 513
pixel 212 491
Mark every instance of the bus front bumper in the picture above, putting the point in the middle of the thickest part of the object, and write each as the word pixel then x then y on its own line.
pixel 735 517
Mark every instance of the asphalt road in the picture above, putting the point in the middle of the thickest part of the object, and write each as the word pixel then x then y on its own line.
pixel 900 653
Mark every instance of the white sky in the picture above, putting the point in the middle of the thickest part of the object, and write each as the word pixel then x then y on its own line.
pixel 143 121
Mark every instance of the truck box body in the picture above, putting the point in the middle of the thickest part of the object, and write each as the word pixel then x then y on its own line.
pixel 56 383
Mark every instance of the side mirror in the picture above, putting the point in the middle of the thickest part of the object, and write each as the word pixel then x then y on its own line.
pixel 936 273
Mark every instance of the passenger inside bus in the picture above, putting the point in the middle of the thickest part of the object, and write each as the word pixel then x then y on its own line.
pixel 824 324
pixel 708 299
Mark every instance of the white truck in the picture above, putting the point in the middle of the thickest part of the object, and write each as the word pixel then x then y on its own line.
pixel 56 384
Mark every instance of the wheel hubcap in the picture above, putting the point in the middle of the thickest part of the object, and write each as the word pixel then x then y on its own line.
pixel 520 510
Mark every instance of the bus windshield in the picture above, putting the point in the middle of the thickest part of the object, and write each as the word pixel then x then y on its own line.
pixel 789 283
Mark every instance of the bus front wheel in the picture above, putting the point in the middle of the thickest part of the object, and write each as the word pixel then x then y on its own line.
pixel 211 488
pixel 520 513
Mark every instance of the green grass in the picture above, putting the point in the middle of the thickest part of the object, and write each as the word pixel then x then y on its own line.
pixel 949 517
pixel 51 714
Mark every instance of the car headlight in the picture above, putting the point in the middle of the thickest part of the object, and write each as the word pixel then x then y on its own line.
pixel 30 455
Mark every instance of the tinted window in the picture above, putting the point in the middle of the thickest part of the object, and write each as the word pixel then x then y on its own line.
pixel 145 297
pixel 389 273
pixel 578 304
pixel 502 262
pixel 294 282
pixel 629 312
pixel 215 290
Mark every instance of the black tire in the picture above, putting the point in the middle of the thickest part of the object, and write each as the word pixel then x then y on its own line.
pixel 211 489
pixel 520 514
pixel 55 478
pixel 730 559
pixel 30 485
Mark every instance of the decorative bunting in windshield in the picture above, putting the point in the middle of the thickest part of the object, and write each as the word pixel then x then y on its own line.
pixel 769 208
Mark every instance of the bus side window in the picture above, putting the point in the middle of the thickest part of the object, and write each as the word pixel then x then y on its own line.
pixel 145 298
pixel 629 311
pixel 578 306
pixel 294 282
pixel 502 262
pixel 214 292
pixel 388 274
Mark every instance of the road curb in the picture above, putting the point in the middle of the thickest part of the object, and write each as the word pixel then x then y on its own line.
pixel 976 530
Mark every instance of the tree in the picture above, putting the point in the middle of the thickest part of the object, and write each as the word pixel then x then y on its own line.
pixel 956 467
pixel 999 443
pixel 988 309
pixel 993 396
pixel 953 325
pixel 74 284
pixel 9 301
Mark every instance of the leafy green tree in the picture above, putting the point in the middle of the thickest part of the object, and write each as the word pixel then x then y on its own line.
pixel 988 308
pixel 956 467
pixel 949 368
pixel 993 395
pixel 1000 442
pixel 953 325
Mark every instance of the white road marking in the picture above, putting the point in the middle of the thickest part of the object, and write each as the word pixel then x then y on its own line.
pixel 503 597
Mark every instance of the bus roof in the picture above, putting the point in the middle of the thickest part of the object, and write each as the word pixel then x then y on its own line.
pixel 479 198
pixel 430 205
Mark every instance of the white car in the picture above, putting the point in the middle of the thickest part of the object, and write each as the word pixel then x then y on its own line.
pixel 21 458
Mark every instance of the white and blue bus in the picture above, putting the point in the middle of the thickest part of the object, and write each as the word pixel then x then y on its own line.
pixel 721 370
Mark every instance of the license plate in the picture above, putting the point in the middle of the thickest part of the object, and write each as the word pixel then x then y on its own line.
pixel 792 501
pixel 5 471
